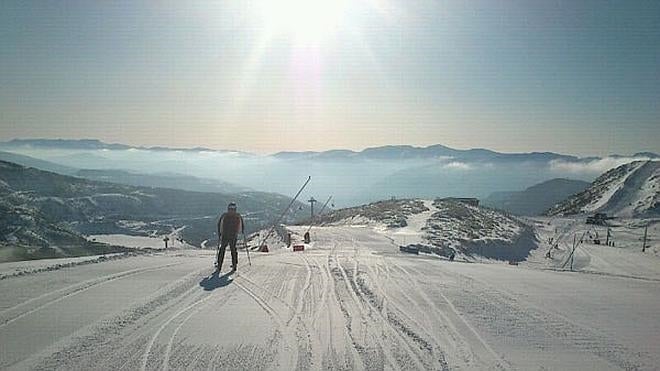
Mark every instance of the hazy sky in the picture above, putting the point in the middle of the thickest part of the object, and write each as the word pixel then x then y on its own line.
pixel 577 77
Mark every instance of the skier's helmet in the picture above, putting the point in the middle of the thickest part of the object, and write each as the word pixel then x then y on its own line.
pixel 231 206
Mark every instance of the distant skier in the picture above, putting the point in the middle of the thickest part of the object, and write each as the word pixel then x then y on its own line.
pixel 229 226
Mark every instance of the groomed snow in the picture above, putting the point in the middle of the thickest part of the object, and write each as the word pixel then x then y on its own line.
pixel 129 241
pixel 625 258
pixel 139 242
pixel 349 301
pixel 413 232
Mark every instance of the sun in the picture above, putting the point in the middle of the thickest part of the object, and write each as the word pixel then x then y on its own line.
pixel 305 21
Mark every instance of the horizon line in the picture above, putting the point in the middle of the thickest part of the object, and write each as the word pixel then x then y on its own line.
pixel 414 146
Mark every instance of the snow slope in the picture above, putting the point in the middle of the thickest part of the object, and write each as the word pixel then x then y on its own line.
pixel 443 227
pixel 624 259
pixel 478 232
pixel 350 301
pixel 630 190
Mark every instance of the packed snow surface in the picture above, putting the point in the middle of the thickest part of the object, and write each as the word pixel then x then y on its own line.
pixel 624 256
pixel 130 241
pixel 140 241
pixel 349 301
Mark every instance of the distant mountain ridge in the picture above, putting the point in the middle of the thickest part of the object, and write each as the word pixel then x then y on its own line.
pixel 159 180
pixel 440 151
pixel 36 163
pixel 120 176
pixel 379 152
pixel 394 152
pixel 630 190
pixel 536 199
pixel 64 144
pixel 352 177
pixel 93 144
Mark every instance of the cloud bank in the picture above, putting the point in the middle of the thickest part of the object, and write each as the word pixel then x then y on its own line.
pixel 593 167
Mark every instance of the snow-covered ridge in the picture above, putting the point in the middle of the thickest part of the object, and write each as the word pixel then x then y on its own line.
pixel 473 231
pixel 390 213
pixel 454 222
pixel 442 227
pixel 630 190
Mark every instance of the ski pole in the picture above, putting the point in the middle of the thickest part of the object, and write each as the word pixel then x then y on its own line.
pixel 217 253
pixel 247 251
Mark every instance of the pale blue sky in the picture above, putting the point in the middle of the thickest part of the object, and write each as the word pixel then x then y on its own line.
pixel 578 77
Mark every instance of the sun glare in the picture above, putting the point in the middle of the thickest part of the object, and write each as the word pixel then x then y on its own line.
pixel 307 21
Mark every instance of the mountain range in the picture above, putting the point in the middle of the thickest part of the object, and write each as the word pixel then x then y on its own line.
pixel 382 152
pixel 44 210
pixel 86 144
pixel 351 177
pixel 161 180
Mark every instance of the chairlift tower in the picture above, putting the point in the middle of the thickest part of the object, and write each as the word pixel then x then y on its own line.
pixel 312 201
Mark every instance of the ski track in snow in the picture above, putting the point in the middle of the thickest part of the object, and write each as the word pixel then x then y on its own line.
pixel 349 302
pixel 457 327
pixel 69 291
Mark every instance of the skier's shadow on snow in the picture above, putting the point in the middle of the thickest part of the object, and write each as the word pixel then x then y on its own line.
pixel 215 281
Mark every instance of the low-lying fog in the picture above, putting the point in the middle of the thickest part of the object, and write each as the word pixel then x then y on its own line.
pixel 351 179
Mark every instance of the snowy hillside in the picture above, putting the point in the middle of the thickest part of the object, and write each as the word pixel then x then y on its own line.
pixel 26 234
pixel 392 213
pixel 26 225
pixel 630 190
pixel 471 231
pixel 41 208
pixel 442 227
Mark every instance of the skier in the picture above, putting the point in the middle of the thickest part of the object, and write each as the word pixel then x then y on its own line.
pixel 229 226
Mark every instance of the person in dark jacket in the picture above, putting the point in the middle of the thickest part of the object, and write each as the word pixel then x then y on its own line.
pixel 229 226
